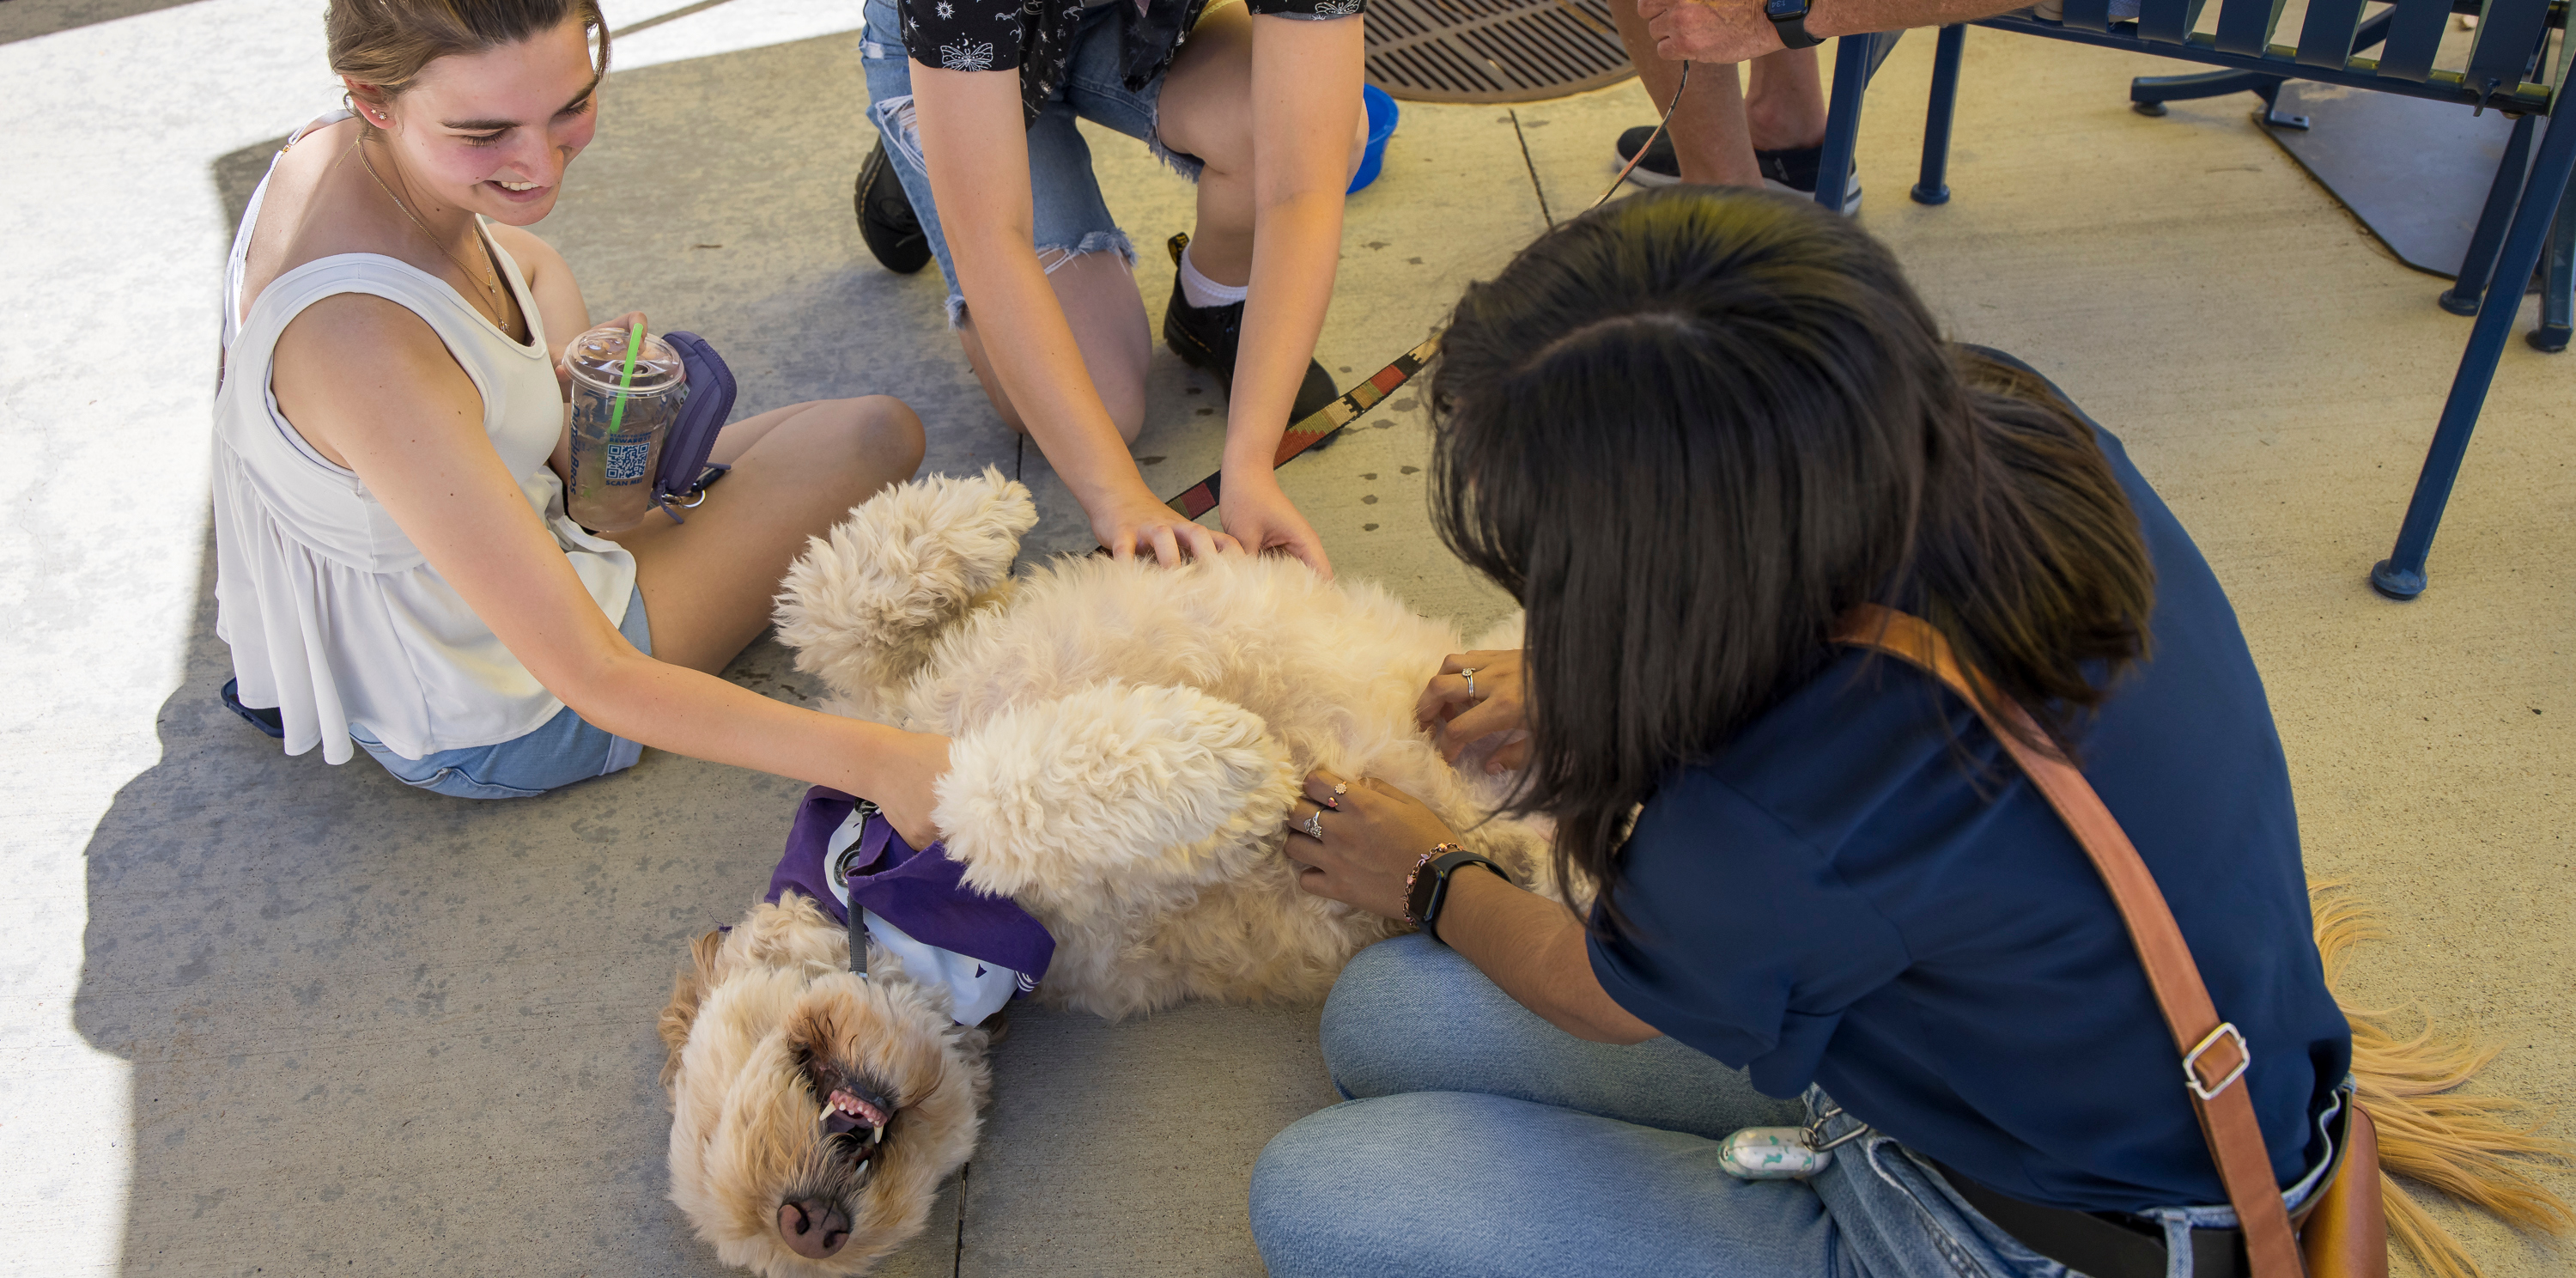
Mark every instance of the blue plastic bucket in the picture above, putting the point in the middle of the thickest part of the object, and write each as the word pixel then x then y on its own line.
pixel 1381 119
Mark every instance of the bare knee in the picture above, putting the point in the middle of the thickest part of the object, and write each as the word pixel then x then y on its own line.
pixel 890 433
pixel 877 440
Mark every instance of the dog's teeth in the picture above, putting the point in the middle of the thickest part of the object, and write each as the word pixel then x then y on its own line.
pixel 863 1167
pixel 877 1137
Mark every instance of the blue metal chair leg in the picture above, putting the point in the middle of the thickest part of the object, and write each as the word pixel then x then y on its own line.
pixel 2271 115
pixel 2478 263
pixel 2558 292
pixel 1934 186
pixel 2401 575
pixel 1855 58
pixel 2148 94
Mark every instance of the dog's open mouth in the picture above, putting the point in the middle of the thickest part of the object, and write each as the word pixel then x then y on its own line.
pixel 852 1107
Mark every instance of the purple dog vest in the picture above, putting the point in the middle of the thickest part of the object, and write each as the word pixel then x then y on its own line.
pixel 916 903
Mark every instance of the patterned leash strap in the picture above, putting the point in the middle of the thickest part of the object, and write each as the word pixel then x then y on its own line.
pixel 1319 425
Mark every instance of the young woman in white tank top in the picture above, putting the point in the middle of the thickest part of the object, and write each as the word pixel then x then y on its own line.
pixel 395 568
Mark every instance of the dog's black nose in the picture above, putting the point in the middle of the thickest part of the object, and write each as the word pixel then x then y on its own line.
pixel 813 1228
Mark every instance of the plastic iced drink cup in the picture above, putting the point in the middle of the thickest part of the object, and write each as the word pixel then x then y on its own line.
pixel 626 392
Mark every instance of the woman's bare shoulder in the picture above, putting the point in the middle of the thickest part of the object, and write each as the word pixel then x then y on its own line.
pixel 308 213
pixel 534 256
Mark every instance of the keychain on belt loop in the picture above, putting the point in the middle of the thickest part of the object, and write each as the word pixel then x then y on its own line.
pixel 1783 1153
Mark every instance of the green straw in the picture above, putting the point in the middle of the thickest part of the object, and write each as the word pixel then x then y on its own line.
pixel 625 381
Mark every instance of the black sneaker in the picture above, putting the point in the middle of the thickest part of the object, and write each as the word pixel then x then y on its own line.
pixel 1795 169
pixel 1660 167
pixel 1206 337
pixel 268 721
pixel 886 220
pixel 1792 171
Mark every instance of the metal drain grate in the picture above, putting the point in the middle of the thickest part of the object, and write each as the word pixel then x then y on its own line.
pixel 1492 50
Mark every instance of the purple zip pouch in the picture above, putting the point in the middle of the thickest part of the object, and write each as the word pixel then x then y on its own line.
pixel 685 473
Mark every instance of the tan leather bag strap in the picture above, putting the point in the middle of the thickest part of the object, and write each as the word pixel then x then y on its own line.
pixel 2214 1054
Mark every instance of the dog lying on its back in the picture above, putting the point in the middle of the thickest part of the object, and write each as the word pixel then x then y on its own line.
pixel 1126 742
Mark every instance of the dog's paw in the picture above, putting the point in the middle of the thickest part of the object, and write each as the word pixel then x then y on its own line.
pixel 863 606
pixel 1112 791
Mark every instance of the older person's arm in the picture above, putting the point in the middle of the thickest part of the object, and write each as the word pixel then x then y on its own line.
pixel 1736 30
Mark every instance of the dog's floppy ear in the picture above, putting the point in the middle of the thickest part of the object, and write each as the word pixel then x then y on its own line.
pixel 688 989
pixel 863 606
pixel 1113 792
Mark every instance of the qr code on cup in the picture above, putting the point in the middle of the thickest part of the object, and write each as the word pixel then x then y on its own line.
pixel 626 462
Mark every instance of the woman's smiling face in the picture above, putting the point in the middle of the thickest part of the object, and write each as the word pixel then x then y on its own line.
pixel 492 132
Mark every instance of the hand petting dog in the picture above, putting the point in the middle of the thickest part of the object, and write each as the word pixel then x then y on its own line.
pixel 1477 695
pixel 1371 836
pixel 1363 838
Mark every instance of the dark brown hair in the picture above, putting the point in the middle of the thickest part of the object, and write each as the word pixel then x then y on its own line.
pixel 1691 429
pixel 386 43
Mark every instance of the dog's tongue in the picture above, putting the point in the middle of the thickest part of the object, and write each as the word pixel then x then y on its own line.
pixel 863 1110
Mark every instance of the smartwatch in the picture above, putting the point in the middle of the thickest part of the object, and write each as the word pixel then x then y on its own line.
pixel 1789 18
pixel 1427 889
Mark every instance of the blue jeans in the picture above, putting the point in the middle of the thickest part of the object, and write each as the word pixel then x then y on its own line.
pixel 1071 218
pixel 558 752
pixel 1481 1141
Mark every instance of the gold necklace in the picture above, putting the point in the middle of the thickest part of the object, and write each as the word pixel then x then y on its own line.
pixel 500 319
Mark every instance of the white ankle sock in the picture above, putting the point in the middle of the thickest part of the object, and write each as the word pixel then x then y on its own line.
pixel 1202 292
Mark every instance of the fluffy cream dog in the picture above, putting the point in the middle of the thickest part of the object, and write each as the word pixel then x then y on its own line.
pixel 1127 742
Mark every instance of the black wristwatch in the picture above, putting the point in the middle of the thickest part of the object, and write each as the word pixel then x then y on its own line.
pixel 1426 890
pixel 1789 18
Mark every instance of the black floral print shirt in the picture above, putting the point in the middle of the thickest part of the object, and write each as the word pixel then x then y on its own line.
pixel 1037 36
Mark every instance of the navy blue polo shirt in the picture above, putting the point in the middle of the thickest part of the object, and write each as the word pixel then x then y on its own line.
pixel 1832 900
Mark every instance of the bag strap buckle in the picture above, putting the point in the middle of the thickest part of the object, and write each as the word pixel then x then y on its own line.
pixel 2228 1032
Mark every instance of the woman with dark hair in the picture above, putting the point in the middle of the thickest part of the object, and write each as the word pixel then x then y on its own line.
pixel 1690 432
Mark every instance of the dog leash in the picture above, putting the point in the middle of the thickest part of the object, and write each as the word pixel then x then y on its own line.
pixel 1325 422
pixel 839 870
pixel 1318 426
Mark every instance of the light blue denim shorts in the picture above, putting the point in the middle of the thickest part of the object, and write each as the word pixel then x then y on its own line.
pixel 1071 218
pixel 560 751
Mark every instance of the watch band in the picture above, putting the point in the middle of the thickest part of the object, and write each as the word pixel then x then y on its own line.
pixel 1427 891
pixel 1789 18
pixel 1417 888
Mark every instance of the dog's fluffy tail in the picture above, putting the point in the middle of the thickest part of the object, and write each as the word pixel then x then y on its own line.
pixel 863 606
pixel 2480 1150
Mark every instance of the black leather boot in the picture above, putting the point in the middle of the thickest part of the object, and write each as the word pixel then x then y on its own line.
pixel 1206 337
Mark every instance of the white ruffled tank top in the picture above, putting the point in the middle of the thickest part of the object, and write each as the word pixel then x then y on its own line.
pixel 332 614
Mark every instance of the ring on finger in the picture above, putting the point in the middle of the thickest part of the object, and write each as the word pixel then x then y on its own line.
pixel 1469 672
pixel 1315 824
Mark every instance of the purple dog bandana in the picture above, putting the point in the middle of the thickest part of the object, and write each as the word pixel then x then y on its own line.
pixel 922 894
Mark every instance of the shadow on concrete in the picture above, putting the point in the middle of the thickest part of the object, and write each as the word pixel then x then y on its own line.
pixel 237 175
pixel 381 1031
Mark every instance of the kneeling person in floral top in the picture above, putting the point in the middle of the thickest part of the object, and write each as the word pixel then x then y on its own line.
pixel 977 101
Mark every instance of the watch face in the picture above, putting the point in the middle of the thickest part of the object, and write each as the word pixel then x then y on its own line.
pixel 1425 887
pixel 1783 10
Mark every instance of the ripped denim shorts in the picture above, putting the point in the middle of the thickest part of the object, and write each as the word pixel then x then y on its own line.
pixel 1071 218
